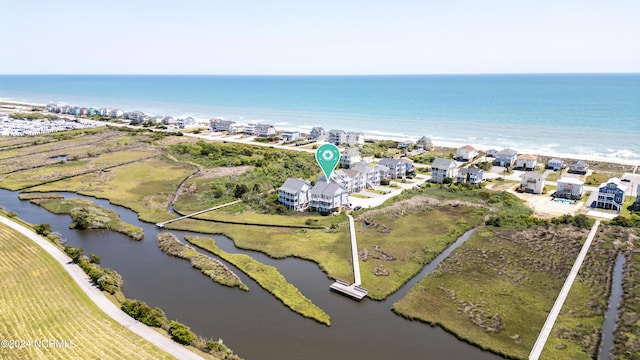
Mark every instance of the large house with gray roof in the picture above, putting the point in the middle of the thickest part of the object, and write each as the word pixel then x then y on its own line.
pixel 397 167
pixel 506 157
pixel 294 194
pixel 327 197
pixel 442 168
pixel 470 176
pixel 350 157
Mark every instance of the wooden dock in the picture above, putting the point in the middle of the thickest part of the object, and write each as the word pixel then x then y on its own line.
pixel 353 291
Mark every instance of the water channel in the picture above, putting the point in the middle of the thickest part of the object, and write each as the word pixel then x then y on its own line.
pixel 611 315
pixel 254 324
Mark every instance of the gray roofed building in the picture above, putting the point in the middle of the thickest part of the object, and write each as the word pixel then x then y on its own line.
pixel 294 194
pixel 470 175
pixel 328 197
pixel 397 168
pixel 506 157
pixel 442 168
pixel 350 157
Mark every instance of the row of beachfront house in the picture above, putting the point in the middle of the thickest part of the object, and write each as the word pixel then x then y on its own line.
pixel 134 116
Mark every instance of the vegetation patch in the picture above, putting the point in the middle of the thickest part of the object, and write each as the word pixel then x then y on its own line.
pixel 269 278
pixel 87 215
pixel 516 275
pixel 213 268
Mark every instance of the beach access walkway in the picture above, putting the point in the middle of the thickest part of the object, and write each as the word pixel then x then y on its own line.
pixel 162 224
pixel 564 292
pixel 101 301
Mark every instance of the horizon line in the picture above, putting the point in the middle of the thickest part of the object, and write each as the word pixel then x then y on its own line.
pixel 326 75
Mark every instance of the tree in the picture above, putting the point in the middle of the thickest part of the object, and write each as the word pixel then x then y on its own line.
pixel 93 258
pixel 240 190
pixel 42 229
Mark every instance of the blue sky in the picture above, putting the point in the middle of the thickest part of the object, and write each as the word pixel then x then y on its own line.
pixel 320 37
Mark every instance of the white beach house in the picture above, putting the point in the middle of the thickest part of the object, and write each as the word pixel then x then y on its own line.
pixel 569 188
pixel 466 153
pixel 441 169
pixel 532 182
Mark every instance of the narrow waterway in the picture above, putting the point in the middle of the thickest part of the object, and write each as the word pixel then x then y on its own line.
pixel 611 315
pixel 255 324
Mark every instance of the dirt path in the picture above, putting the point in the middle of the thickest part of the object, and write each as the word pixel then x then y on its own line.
pixel 100 299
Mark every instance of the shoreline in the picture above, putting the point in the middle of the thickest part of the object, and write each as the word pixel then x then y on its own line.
pixel 437 143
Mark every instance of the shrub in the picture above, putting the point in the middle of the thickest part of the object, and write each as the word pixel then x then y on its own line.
pixel 73 253
pixel 42 229
pixel 142 312
pixel 181 333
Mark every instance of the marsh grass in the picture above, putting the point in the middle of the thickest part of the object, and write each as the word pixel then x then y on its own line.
pixel 269 278
pixel 496 289
pixel 213 268
pixel 87 215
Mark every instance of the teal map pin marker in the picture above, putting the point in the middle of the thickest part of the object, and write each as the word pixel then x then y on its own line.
pixel 327 156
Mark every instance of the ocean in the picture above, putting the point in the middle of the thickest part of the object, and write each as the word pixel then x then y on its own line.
pixel 580 115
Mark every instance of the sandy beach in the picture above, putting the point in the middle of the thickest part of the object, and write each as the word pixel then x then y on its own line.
pixel 11 107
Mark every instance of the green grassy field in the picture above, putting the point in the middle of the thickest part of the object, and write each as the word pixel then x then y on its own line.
pixel 269 278
pixel 146 186
pixel 40 301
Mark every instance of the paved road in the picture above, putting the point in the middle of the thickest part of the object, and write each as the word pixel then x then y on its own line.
pixel 101 300
pixel 555 310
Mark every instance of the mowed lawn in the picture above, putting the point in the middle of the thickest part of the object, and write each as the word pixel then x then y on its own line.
pixel 39 301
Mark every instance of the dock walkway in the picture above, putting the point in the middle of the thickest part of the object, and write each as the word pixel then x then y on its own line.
pixel 354 290
pixel 564 292
pixel 162 224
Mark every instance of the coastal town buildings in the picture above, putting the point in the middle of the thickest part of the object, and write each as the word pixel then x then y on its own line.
pixel 442 169
pixel 337 137
pixel 327 197
pixel 219 125
pixel 424 143
pixel 317 134
pixel 294 194
pixel 491 153
pixel 569 188
pixel 527 162
pixel 397 167
pixel 466 153
pixel 372 174
pixel 636 204
pixel 506 157
pixel 290 135
pixel 578 167
pixel 236 129
pixel 610 195
pixel 350 157
pixel 470 176
pixel 555 164
pixel 186 123
pixel 532 182
pixel 355 138
pixel 260 130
